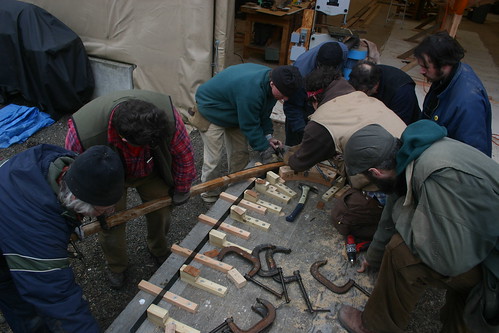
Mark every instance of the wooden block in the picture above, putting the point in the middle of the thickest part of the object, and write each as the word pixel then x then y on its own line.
pixel 202 283
pixel 212 253
pixel 180 327
pixel 237 278
pixel 256 223
pixel 235 210
pixel 218 239
pixel 252 196
pixel 261 185
pixel 244 203
pixel 285 190
pixel 192 271
pixel 160 317
pixel 170 328
pixel 205 260
pixel 157 315
pixel 272 192
pixel 342 191
pixel 169 296
pixel 273 177
pixel 225 227
pixel 335 188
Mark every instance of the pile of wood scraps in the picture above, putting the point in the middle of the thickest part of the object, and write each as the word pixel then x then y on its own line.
pixel 246 267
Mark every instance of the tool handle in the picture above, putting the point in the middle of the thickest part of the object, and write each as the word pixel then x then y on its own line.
pixel 291 217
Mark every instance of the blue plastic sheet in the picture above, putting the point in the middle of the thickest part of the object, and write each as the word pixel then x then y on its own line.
pixel 18 123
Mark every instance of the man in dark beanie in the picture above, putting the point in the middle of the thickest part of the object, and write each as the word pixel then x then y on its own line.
pixel 296 109
pixel 45 191
pixel 155 148
pixel 234 108
pixel 438 229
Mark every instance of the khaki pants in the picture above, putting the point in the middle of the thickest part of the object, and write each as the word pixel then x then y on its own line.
pixel 401 282
pixel 236 146
pixel 113 241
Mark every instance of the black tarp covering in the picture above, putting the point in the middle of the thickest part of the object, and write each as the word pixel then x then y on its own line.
pixel 42 60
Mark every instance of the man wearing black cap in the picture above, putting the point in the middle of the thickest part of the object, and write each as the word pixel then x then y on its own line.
pixel 296 109
pixel 45 191
pixel 236 105
pixel 438 229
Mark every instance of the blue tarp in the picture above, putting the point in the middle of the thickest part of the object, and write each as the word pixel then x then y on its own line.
pixel 18 123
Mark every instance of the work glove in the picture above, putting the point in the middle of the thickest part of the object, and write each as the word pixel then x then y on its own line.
pixel 180 198
pixel 269 156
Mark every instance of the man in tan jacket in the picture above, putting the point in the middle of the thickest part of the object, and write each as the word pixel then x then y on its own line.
pixel 340 112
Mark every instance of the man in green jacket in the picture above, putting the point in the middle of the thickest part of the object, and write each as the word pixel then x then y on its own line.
pixel 236 105
pixel 439 228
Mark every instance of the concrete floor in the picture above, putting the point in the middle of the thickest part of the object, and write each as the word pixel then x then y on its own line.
pixel 480 41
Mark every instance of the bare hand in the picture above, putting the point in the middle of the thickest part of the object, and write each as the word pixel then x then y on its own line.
pixel 363 265
pixel 274 143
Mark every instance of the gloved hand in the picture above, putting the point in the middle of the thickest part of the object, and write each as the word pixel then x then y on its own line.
pixel 269 156
pixel 180 198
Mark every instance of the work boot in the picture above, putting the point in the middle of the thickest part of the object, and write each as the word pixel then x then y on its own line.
pixel 351 320
pixel 209 198
pixel 116 280
pixel 159 260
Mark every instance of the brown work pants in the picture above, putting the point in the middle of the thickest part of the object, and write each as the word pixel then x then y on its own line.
pixel 401 282
pixel 113 241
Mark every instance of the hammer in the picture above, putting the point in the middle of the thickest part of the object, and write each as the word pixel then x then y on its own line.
pixel 299 207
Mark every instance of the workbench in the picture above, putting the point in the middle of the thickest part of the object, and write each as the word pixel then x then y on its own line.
pixel 286 20
pixel 311 237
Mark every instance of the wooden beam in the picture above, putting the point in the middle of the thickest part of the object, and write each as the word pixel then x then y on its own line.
pixel 202 259
pixel 239 214
pixel 150 206
pixel 252 196
pixel 170 297
pixel 218 238
pixel 160 317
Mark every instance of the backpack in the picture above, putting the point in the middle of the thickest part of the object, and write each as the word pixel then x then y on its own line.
pixel 356 213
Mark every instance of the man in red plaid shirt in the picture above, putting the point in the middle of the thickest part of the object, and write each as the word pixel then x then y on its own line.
pixel 151 139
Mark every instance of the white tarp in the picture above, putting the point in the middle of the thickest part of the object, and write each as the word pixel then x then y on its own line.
pixel 171 42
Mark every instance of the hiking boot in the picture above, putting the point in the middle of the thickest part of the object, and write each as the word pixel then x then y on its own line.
pixel 351 320
pixel 116 280
pixel 208 198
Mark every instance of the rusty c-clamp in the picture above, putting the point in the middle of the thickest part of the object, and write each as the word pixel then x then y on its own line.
pixel 268 314
pixel 314 270
pixel 256 266
pixel 256 253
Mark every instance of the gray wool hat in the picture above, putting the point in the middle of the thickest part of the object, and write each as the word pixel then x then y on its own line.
pixel 97 176
pixel 287 79
pixel 367 148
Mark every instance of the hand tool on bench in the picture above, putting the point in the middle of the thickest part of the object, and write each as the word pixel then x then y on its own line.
pixel 150 206
pixel 311 309
pixel 256 266
pixel 301 203
pixel 276 272
pixel 263 308
pixel 314 270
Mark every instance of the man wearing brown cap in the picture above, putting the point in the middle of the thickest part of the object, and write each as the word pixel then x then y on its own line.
pixel 45 191
pixel 235 107
pixel 439 229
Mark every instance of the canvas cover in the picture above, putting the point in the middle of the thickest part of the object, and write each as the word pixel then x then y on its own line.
pixel 42 60
pixel 172 43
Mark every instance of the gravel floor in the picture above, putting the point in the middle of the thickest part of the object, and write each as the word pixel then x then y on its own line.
pixel 106 303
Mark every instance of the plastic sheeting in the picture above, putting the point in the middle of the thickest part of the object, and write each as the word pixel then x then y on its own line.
pixel 18 123
pixel 171 42
pixel 42 60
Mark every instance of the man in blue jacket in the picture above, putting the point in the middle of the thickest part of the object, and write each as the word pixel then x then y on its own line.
pixel 457 98
pixel 45 192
